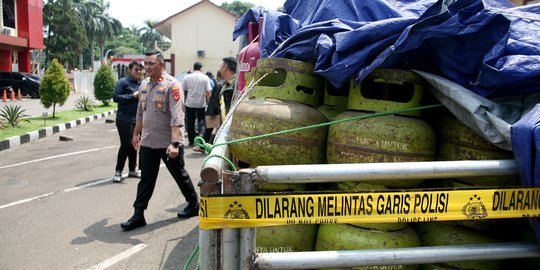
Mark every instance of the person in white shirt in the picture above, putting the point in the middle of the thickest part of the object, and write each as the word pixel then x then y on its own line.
pixel 198 89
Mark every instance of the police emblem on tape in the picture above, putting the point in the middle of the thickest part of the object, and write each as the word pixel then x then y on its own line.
pixel 236 211
pixel 474 208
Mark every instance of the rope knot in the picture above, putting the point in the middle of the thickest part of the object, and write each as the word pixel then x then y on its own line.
pixel 199 141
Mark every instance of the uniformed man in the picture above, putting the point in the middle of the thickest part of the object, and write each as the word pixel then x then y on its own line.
pixel 159 136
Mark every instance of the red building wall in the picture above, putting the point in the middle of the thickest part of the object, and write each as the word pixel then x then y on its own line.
pixel 29 35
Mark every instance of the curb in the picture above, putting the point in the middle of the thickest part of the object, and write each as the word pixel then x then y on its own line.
pixel 48 131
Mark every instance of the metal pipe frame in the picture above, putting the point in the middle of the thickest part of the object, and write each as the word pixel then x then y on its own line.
pixel 238 245
pixel 230 249
pixel 247 247
pixel 319 173
pixel 219 249
pixel 394 256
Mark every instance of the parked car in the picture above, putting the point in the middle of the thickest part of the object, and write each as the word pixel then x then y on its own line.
pixel 26 82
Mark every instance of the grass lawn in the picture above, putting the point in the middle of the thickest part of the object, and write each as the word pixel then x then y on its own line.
pixel 37 123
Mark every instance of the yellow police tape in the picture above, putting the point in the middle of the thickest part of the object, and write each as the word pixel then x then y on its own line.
pixel 367 207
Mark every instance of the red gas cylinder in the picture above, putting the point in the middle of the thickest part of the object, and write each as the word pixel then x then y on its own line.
pixel 248 56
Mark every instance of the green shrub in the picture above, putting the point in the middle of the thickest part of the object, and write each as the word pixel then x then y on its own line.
pixel 54 88
pixel 104 84
pixel 12 115
pixel 85 104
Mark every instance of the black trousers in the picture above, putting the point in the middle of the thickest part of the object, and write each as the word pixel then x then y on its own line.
pixel 207 136
pixel 194 116
pixel 126 150
pixel 149 160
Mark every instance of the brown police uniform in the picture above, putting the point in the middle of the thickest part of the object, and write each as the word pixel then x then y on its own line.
pixel 160 108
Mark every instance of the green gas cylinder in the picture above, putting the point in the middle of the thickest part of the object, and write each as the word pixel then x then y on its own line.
pixel 391 138
pixel 348 237
pixel 449 233
pixel 283 99
pixel 286 238
pixel 335 100
pixel 456 141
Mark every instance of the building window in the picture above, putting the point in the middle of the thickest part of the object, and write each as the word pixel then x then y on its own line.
pixel 8 13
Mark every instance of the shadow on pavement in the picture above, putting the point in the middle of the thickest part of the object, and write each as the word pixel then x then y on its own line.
pixel 181 253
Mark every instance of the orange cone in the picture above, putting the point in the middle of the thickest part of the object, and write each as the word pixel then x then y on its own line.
pixel 4 96
pixel 19 97
pixel 12 96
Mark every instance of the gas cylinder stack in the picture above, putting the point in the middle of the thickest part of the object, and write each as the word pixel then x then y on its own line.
pixel 389 138
pixel 288 95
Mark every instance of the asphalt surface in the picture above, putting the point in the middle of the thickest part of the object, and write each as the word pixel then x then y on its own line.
pixel 59 208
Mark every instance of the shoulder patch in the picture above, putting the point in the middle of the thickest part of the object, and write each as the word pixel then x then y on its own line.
pixel 176 92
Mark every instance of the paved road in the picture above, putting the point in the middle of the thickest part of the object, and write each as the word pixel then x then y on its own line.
pixel 59 208
pixel 33 107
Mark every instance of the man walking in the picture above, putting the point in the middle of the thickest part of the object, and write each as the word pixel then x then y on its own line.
pixel 126 94
pixel 159 122
pixel 198 89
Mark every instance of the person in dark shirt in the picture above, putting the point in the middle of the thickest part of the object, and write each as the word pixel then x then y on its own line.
pixel 126 94
pixel 228 74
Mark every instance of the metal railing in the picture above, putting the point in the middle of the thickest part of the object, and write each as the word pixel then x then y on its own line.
pixel 235 248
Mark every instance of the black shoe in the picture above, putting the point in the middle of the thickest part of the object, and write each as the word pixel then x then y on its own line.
pixel 134 222
pixel 189 211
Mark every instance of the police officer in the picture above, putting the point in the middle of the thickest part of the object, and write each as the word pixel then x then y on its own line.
pixel 159 122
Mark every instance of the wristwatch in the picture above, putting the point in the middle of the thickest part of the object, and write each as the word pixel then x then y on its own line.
pixel 175 144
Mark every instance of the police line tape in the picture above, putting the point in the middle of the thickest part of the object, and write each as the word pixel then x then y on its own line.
pixel 239 211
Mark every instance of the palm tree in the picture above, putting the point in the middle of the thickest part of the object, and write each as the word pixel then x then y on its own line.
pixel 150 35
pixel 98 24
pixel 84 8
pixel 135 30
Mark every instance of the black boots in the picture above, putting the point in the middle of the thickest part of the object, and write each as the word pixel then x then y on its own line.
pixel 190 211
pixel 136 221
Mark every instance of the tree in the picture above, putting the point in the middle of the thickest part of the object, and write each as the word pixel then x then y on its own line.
pixel 104 84
pixel 65 38
pixel 237 8
pixel 135 30
pixel 99 26
pixel 150 35
pixel 54 88
pixel 126 43
pixel 109 27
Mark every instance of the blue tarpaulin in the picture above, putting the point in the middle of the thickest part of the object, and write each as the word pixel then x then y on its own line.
pixel 489 47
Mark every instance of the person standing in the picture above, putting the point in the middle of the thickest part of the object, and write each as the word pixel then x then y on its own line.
pixel 228 73
pixel 213 111
pixel 126 94
pixel 159 122
pixel 197 86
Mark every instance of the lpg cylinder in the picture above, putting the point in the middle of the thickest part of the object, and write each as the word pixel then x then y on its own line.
pixel 391 138
pixel 283 99
pixel 248 56
pixel 348 237
pixel 286 238
pixel 448 233
pixel 456 141
pixel 335 100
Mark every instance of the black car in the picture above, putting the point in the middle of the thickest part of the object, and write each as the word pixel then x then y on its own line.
pixel 26 82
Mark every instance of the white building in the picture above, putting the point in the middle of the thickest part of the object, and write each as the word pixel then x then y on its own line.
pixel 202 32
